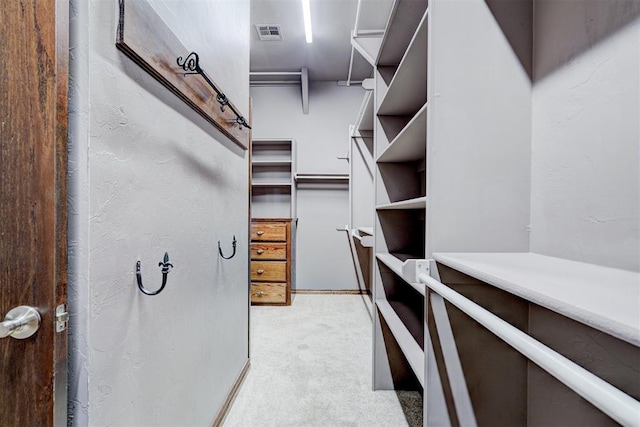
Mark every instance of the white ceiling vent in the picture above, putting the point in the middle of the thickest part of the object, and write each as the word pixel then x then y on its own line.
pixel 269 32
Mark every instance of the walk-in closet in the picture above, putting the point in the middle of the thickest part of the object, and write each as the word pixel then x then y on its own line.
pixel 378 213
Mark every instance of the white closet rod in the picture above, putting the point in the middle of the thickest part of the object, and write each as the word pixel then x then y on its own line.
pixel 613 402
pixel 321 177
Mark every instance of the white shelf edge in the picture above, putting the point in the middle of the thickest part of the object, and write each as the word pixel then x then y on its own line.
pixel 390 152
pixel 417 203
pixel 366 230
pixel 368 46
pixel 603 298
pixel 273 162
pixel 408 345
pixel 365 113
pixel 366 240
pixel 406 270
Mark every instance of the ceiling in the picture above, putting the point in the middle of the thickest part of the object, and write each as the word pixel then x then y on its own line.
pixel 327 58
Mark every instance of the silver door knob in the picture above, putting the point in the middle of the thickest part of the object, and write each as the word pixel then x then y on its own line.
pixel 20 322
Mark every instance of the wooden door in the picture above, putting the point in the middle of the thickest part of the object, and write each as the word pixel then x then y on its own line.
pixel 33 238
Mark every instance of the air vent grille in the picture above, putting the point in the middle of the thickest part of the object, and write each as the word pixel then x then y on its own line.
pixel 269 32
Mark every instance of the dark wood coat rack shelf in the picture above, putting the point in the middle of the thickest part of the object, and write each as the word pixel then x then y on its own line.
pixel 145 38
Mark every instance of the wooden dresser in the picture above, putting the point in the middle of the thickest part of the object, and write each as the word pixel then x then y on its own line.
pixel 272 260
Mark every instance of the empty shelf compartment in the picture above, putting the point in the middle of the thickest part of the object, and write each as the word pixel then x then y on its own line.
pixel 603 298
pixel 404 267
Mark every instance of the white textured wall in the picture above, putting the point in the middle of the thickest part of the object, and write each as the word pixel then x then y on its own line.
pixel 149 175
pixel 586 132
pixel 479 135
pixel 323 257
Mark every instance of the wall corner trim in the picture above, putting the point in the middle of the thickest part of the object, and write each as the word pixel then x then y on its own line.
pixel 231 397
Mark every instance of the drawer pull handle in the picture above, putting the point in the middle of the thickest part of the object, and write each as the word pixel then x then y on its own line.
pixel 260 251
pixel 259 233
pixel 259 293
pixel 260 271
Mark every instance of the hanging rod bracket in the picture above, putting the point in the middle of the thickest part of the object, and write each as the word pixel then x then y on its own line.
pixel 191 65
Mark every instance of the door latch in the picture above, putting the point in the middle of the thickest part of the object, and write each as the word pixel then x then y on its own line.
pixel 62 318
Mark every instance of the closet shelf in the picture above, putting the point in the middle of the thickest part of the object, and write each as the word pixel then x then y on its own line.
pixel 275 162
pixel 368 45
pixel 411 142
pixel 364 120
pixel 604 298
pixel 410 348
pixel 407 91
pixel 366 230
pixel 405 269
pixel 273 193
pixel 365 240
pixel 404 18
pixel 417 203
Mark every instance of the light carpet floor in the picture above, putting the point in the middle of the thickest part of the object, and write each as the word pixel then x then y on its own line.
pixel 311 366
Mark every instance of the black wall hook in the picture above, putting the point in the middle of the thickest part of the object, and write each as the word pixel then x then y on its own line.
pixel 166 268
pixel 234 243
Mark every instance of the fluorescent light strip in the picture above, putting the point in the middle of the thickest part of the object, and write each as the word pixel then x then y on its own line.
pixel 306 13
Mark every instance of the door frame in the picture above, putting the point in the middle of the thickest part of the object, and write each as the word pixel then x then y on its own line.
pixel 60 356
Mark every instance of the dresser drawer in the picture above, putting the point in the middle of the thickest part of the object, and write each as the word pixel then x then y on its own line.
pixel 277 251
pixel 269 271
pixel 269 232
pixel 268 293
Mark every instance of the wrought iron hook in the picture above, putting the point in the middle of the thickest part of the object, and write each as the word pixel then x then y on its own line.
pixel 191 65
pixel 166 268
pixel 234 243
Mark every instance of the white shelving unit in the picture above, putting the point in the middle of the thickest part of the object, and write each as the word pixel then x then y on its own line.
pixel 415 203
pixel 454 188
pixel 407 91
pixel 273 192
pixel 400 147
pixel 322 177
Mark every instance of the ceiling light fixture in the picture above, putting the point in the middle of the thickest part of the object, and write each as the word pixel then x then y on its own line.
pixel 306 13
